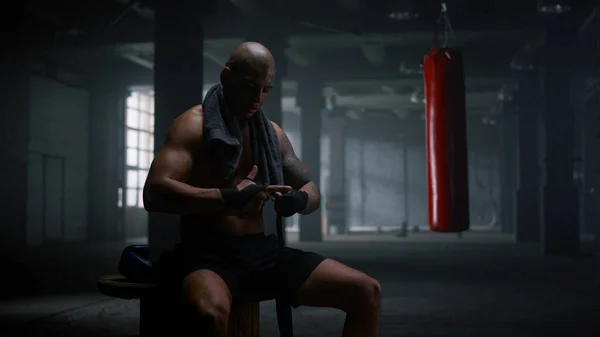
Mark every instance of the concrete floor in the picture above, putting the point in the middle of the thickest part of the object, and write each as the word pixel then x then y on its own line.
pixel 434 285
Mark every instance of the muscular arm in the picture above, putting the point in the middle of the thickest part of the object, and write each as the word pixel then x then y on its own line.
pixel 295 172
pixel 165 190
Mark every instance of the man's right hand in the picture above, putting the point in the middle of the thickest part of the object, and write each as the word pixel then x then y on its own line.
pixel 249 197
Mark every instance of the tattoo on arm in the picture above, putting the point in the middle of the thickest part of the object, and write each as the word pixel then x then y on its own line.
pixel 314 198
pixel 295 174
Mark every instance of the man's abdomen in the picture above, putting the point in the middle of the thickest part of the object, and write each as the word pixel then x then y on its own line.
pixel 198 225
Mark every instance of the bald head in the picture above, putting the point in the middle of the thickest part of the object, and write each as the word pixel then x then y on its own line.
pixel 251 58
pixel 247 77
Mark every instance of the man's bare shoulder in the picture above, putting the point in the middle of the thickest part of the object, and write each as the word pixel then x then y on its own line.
pixel 194 114
pixel 187 127
pixel 278 130
pixel 285 146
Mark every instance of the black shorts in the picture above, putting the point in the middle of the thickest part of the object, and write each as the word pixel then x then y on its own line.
pixel 250 265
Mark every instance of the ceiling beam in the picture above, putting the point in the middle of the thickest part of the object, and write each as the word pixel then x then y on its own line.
pixel 139 61
pixel 299 57
pixel 230 23
pixel 471 82
pixel 374 52
pixel 368 72
pixel 588 23
pixel 407 38
pixel 341 70
pixel 399 101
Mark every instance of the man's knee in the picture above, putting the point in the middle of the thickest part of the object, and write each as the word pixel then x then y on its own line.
pixel 213 312
pixel 369 292
pixel 209 298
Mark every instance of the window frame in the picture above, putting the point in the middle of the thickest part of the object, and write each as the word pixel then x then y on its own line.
pixel 139 103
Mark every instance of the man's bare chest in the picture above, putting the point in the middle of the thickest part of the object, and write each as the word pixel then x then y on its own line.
pixel 204 174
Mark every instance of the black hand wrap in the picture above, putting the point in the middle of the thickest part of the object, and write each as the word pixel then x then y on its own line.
pixel 291 203
pixel 237 199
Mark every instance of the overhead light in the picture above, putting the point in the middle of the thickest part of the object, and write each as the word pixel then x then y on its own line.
pixel 414 98
pixel 402 114
pixel 403 69
pixel 401 10
pixel 417 96
pixel 401 16
pixel 352 115
pixel 554 6
pixel 516 65
pixel 378 113
pixel 523 59
pixel 387 89
pixel 75 32
pixel 375 53
pixel 330 102
pixel 488 121
pixel 297 56
pixel 505 94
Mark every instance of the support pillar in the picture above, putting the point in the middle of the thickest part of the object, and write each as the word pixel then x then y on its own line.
pixel 178 85
pixel 595 107
pixel 590 196
pixel 311 102
pixel 508 169
pixel 273 106
pixel 14 149
pixel 363 181
pixel 527 203
pixel 560 234
pixel 337 198
pixel 405 183
pixel 106 164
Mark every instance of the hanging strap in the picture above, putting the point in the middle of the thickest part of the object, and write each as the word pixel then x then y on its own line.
pixel 282 303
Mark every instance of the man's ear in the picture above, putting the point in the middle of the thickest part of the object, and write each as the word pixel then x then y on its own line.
pixel 225 75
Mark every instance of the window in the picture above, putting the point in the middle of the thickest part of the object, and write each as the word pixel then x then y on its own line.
pixel 139 142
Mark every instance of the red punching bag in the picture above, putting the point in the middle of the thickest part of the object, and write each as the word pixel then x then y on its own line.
pixel 446 129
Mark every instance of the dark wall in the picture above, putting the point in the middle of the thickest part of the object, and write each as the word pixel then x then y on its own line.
pixel 57 181
pixel 106 162
pixel 14 143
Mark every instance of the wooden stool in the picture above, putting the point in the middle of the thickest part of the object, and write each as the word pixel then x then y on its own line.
pixel 161 314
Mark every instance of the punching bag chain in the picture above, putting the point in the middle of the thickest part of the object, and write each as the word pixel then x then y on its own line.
pixel 444 20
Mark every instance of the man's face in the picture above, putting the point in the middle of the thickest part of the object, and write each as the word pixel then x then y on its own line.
pixel 247 91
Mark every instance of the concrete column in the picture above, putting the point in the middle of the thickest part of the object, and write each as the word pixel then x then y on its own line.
pixel 14 148
pixel 405 182
pixel 527 206
pixel 311 102
pixel 591 166
pixel 178 85
pixel 337 198
pixel 273 106
pixel 105 164
pixel 589 106
pixel 363 181
pixel 508 169
pixel 560 234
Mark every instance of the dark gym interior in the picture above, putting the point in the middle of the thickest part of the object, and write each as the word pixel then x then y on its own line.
pixel 90 89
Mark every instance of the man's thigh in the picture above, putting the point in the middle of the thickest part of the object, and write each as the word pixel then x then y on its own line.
pixel 282 276
pixel 206 287
pixel 297 266
pixel 333 284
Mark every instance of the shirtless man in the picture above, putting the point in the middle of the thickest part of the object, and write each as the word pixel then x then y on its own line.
pixel 223 230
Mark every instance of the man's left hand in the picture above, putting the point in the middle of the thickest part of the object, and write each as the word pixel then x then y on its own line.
pixel 288 204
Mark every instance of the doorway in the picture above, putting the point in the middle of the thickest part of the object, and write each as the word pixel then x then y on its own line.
pixel 53 207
